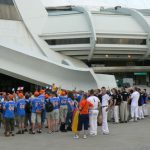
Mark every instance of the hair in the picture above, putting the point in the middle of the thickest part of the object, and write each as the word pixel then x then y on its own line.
pixel 103 88
pixel 92 92
pixel 135 88
pixel 27 96
pixel 115 90
pixel 54 93
pixel 84 96
pixel 70 95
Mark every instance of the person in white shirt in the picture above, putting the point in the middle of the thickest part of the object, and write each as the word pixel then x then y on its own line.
pixel 93 113
pixel 106 104
pixel 134 104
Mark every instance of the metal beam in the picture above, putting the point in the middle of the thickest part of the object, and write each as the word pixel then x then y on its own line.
pixel 140 18
pixel 121 69
pixel 89 19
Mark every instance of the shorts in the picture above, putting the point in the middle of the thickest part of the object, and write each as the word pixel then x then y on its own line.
pixel 21 119
pixel 63 113
pixel 36 118
pixel 54 115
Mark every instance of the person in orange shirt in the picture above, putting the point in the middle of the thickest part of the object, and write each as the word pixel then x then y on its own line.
pixel 84 106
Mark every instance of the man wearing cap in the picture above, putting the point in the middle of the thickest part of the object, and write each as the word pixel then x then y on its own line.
pixel 21 112
pixel 9 116
pixel 43 112
pixel 63 110
pixel 36 112
pixel 54 115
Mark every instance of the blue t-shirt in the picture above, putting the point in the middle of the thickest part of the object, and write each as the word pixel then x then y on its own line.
pixel 10 107
pixel 21 107
pixel 3 107
pixel 36 104
pixel 78 97
pixel 56 102
pixel 42 97
pixel 63 100
pixel 70 105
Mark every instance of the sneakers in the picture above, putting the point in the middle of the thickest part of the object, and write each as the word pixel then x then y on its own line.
pixel 39 131
pixel 25 130
pixel 93 134
pixel 76 137
pixel 84 136
pixel 7 134
pixel 104 133
pixel 12 134
pixel 131 120
pixel 49 132
pixel 19 132
pixel 33 132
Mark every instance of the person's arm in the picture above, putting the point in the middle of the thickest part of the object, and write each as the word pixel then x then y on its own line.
pixel 110 104
pixel 91 105
pixel 115 101
pixel 80 106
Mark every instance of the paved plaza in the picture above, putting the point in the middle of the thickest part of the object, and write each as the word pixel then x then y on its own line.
pixel 130 136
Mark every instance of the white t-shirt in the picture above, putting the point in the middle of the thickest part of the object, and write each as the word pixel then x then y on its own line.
pixel 135 98
pixel 105 99
pixel 94 100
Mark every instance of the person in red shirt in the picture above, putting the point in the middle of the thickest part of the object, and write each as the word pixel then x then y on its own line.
pixel 84 106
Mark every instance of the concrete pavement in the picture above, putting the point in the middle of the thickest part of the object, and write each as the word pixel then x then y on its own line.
pixel 129 136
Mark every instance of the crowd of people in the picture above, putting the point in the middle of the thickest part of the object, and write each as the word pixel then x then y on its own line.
pixel 62 110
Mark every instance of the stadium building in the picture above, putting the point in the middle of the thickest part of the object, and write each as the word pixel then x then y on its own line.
pixel 72 45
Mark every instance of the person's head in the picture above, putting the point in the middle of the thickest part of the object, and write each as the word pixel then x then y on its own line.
pixel 70 95
pixel 36 94
pixel 46 96
pixel 42 91
pixel 135 89
pixel 91 92
pixel 20 95
pixel 63 93
pixel 10 97
pixel 104 91
pixel 114 91
pixel 84 96
pixel 27 96
pixel 54 94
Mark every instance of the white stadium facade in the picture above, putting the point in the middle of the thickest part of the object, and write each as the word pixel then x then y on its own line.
pixel 75 45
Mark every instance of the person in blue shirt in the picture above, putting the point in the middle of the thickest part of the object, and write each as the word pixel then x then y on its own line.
pixel 54 115
pixel 9 116
pixel 71 107
pixel 63 111
pixel 1 112
pixel 27 112
pixel 43 112
pixel 20 106
pixel 36 112
pixel 49 123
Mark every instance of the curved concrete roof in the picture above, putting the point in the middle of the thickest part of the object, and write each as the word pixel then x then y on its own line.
pixel 138 4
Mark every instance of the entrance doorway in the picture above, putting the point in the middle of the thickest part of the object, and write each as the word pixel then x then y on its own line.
pixel 7 83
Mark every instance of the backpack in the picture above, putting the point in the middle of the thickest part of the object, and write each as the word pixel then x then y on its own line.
pixel 49 106
pixel 28 107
